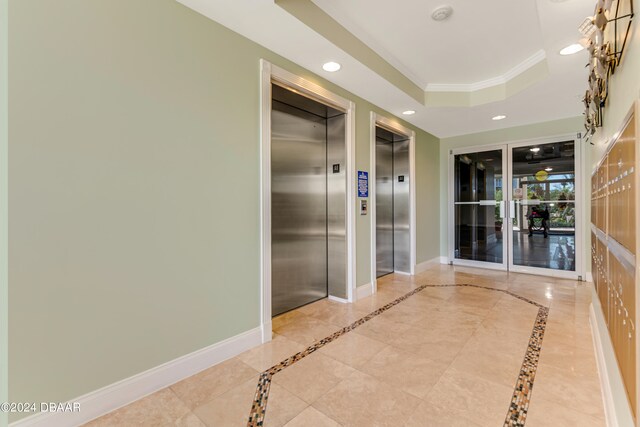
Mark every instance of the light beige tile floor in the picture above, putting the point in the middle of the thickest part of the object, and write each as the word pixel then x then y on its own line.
pixel 443 357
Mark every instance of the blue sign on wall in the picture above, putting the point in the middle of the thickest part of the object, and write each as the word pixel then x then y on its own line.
pixel 363 184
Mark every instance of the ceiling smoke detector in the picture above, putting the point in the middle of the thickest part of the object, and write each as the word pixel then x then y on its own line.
pixel 441 13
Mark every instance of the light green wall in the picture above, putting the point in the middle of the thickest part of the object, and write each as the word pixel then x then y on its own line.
pixel 134 189
pixel 427 197
pixel 513 134
pixel 4 175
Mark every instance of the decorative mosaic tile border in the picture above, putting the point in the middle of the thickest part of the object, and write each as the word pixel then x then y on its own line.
pixel 517 414
pixel 521 396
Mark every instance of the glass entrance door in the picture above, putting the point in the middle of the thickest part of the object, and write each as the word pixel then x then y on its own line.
pixel 478 208
pixel 517 207
pixel 543 208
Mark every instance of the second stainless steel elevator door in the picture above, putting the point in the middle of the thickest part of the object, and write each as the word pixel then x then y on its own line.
pixel 336 206
pixel 308 201
pixel 392 203
pixel 401 230
pixel 384 207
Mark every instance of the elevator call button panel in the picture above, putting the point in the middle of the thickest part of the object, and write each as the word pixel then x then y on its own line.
pixel 363 207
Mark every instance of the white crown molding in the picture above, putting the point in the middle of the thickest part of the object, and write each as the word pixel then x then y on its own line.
pixel 362 35
pixel 503 79
pixel 531 61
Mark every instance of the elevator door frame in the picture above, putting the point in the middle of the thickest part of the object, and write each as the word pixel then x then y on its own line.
pixel 271 73
pixel 507 174
pixel 378 120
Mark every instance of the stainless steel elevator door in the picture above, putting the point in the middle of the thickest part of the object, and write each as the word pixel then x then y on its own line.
pixel 401 230
pixel 298 207
pixel 384 207
pixel 337 206
pixel 393 236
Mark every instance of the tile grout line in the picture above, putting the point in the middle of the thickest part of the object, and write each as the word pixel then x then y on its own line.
pixel 521 396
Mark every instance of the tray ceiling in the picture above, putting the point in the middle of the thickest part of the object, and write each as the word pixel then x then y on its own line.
pixel 491 57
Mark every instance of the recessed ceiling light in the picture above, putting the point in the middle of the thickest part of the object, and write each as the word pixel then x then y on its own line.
pixel 441 13
pixel 500 117
pixel 331 67
pixel 571 49
pixel 534 149
pixel 408 112
pixel 548 169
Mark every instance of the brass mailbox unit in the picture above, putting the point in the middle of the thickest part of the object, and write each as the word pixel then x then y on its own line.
pixel 614 224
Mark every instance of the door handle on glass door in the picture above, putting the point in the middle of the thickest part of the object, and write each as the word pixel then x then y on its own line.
pixel 502 209
pixel 512 209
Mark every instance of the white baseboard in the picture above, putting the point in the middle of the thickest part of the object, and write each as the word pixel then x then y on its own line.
pixel 617 411
pixel 424 266
pixel 337 299
pixel 605 385
pixel 364 291
pixel 267 332
pixel 117 395
pixel 402 273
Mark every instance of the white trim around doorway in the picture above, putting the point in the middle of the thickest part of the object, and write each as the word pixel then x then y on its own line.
pixel 394 126
pixel 271 73
pixel 507 264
